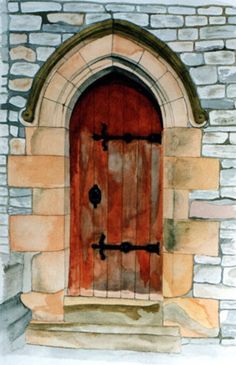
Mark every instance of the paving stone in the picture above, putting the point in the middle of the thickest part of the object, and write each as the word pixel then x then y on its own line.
pixel 188 34
pixel 211 10
pixel 48 39
pixel 39 6
pixel 214 20
pixel 195 20
pixel 192 59
pixel 227 74
pixel 223 117
pixel 214 291
pixel 18 101
pixel 167 21
pixel 214 137
pixel 83 8
pixel 229 275
pixel 24 69
pixel 228 193
pixel 96 17
pixel 204 75
pixel 228 177
pixel 211 92
pixel 120 8
pixel 141 19
pixel 22 84
pixel 203 194
pixel 207 274
pixel 66 18
pixel 219 57
pixel 25 22
pixel 165 34
pixel 218 32
pixel 181 46
pixel 182 10
pixel 229 261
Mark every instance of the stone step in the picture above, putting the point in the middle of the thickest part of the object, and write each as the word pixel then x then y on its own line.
pixel 110 311
pixel 74 335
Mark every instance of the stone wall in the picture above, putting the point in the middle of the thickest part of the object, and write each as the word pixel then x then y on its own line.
pixel 204 37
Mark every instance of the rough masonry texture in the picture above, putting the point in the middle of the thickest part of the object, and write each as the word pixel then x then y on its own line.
pixel 203 35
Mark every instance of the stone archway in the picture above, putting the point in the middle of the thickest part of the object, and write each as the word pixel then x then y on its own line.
pixel 58 85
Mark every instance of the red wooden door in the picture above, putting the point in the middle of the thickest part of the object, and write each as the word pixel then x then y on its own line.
pixel 129 176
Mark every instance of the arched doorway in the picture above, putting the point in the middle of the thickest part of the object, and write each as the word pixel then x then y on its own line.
pixel 116 191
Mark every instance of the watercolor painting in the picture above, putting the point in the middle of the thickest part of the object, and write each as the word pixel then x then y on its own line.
pixel 118 181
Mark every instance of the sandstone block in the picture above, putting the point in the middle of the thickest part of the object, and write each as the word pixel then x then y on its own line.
pixel 177 274
pixel 204 75
pixel 37 171
pixel 37 233
pixel 47 141
pixel 17 146
pixel 51 201
pixel 48 265
pixel 44 306
pixel 196 317
pixel 182 142
pixel 189 173
pixel 25 22
pixel 22 84
pixel 167 21
pixel 17 38
pixel 207 274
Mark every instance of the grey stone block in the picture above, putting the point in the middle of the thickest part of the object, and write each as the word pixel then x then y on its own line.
pixel 231 224
pixel 3 218
pixel 211 92
pixel 232 19
pixel 204 75
pixel 43 53
pixel 60 28
pixel 181 46
pixel 228 317
pixel 228 249
pixel 231 91
pixel 229 260
pixel 228 331
pixel 182 10
pixel 188 34
pixel 223 117
pixel 3 115
pixel 96 17
pixel 18 101
pixel 66 36
pixel 83 7
pixel 207 260
pixel 195 20
pixel 217 103
pixel 165 34
pixel 120 8
pixel 66 18
pixel 214 20
pixel 218 32
pixel 207 274
pixel 141 19
pixel 4 149
pixel 192 59
pixel 219 57
pixel 232 138
pixel 11 277
pixel 25 22
pixel 152 9
pixel 39 6
pixel 45 39
pixel 231 44
pixel 3 192
pixel 229 275
pixel 227 74
pixel 13 7
pixel 17 328
pixel 24 69
pixel 4 130
pixel 21 202
pixel 214 137
pixel 214 291
pixel 18 211
pixel 3 177
pixel 203 194
pixel 228 304
pixel 219 151
pixel 13 116
pixel 211 10
pixel 20 192
pixel 230 11
pixel 167 21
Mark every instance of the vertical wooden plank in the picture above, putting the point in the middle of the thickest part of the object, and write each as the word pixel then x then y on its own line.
pixel 115 166
pixel 100 178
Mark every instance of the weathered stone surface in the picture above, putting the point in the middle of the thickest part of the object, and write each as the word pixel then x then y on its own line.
pixel 37 233
pixel 51 201
pixel 207 260
pixel 17 38
pixel 177 274
pixel 23 53
pixel 22 84
pixel 195 20
pixel 207 274
pixel 190 236
pixel 45 307
pixel 167 21
pixel 228 177
pixel 186 34
pixel 59 28
pixel 45 265
pixel 204 75
pixel 222 117
pixel 229 276
pixel 24 69
pixel 227 74
pixel 229 260
pixel 196 317
pixel 219 57
pixel 216 291
pixel 221 209
pixel 181 46
pixel 66 18
pixel 47 39
pixel 37 171
pixel 25 22
pixel 192 59
pixel 182 10
pixel 214 137
pixel 211 10
pixel 17 146
pixel 182 142
pixel 83 7
pixel 218 32
pixel 44 52
pixel 96 17
pixel 214 20
pixel 189 173
pixel 228 193
pixel 211 92
pixel 39 6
